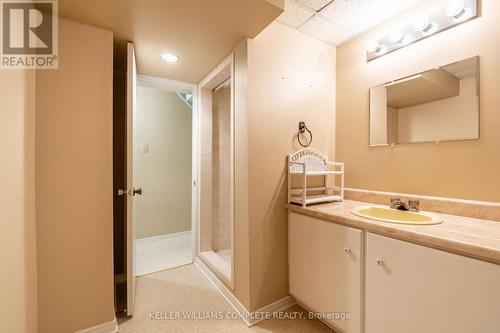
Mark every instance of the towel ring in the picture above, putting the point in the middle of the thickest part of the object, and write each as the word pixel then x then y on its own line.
pixel 302 129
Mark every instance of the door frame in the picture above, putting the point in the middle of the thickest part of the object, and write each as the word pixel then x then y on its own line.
pixel 164 84
pixel 130 189
pixel 214 79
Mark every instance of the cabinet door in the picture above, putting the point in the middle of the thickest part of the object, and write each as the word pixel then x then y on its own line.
pixel 325 262
pixel 415 289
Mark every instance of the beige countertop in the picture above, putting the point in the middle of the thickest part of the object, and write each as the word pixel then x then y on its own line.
pixel 470 237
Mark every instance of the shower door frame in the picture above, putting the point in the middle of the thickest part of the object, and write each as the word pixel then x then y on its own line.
pixel 211 81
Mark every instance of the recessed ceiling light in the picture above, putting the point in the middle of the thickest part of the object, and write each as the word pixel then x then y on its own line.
pixel 169 57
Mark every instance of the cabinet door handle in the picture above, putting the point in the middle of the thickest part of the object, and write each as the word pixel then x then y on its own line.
pixel 347 250
pixel 380 261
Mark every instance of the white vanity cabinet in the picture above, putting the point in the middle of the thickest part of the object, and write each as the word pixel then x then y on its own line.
pixel 325 269
pixel 414 289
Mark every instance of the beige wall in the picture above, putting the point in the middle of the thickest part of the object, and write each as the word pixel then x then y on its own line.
pixel 290 78
pixel 466 169
pixel 18 310
pixel 74 204
pixel 163 123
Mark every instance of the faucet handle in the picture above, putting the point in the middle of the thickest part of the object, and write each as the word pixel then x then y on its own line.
pixel 414 205
pixel 395 201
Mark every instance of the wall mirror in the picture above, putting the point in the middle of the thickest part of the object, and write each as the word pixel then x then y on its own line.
pixel 441 104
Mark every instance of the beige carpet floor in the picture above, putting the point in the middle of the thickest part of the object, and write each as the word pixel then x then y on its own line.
pixel 184 290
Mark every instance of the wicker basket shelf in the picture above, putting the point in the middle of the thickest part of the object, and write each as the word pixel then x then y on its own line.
pixel 310 162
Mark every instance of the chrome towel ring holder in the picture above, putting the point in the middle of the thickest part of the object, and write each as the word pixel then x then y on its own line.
pixel 302 129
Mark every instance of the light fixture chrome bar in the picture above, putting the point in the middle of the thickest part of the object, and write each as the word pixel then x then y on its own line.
pixel 458 12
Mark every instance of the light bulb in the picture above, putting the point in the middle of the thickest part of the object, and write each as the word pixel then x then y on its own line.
pixel 455 9
pixel 422 24
pixel 425 26
pixel 373 47
pixel 464 15
pixel 396 36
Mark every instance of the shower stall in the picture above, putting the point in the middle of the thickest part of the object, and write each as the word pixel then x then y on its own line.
pixel 216 223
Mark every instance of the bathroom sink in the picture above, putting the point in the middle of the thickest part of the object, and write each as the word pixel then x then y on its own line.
pixel 386 214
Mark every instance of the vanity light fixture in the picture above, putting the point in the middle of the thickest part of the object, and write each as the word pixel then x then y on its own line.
pixel 431 29
pixel 407 40
pixel 464 15
pixel 377 48
pixel 169 57
pixel 382 50
pixel 426 27
pixel 396 36
pixel 458 12
pixel 373 47
pixel 422 25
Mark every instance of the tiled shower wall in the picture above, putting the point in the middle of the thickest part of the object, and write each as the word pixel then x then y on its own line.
pixel 222 166
pixel 206 172
pixel 217 163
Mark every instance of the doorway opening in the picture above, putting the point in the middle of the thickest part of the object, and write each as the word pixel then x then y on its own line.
pixel 155 165
pixel 162 149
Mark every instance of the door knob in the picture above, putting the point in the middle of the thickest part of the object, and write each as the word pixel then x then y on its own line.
pixel 347 250
pixel 137 191
pixel 380 261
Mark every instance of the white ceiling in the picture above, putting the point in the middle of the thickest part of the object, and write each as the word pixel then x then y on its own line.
pixel 336 21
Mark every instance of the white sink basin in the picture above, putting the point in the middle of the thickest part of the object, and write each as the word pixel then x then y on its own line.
pixel 386 214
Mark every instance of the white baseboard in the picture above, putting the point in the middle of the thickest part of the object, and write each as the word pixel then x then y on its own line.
pixel 250 318
pixel 109 327
pixel 153 239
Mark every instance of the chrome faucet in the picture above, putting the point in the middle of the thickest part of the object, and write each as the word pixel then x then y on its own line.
pixel 413 205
